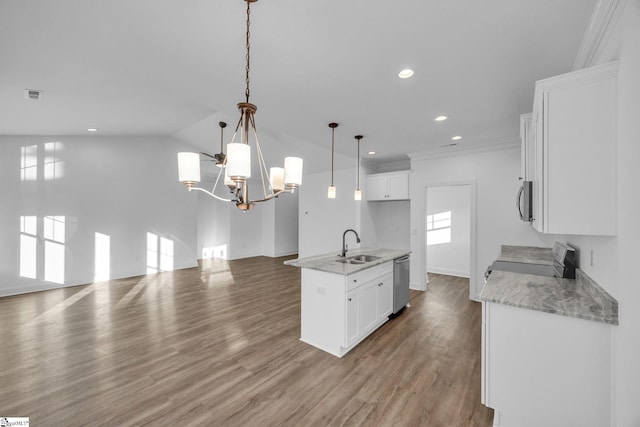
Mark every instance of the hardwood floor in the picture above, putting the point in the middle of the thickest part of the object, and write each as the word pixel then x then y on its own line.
pixel 218 345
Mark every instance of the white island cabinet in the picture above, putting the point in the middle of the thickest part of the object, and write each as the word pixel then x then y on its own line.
pixel 344 302
pixel 340 311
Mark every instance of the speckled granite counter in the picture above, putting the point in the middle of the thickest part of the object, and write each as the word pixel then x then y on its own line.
pixel 328 262
pixel 581 298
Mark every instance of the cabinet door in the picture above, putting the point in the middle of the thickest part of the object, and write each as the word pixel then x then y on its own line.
pixel 377 187
pixel 384 297
pixel 398 187
pixel 575 125
pixel 367 302
pixel 580 155
pixel 353 328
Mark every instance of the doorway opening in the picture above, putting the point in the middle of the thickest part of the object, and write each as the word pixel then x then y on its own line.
pixel 449 231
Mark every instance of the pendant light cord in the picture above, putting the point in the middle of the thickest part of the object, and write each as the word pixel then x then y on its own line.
pixel 246 92
pixel 358 177
pixel 333 130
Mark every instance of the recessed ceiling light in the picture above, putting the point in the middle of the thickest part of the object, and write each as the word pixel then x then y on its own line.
pixel 406 73
pixel 371 153
pixel 456 138
pixel 441 118
pixel 93 129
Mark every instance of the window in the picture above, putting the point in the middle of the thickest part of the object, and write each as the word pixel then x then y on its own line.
pixel 439 228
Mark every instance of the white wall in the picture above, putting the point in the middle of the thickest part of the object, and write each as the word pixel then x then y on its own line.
pixel 122 187
pixel 390 222
pixel 286 225
pixel 496 175
pixel 616 258
pixel 214 232
pixel 451 257
pixel 323 220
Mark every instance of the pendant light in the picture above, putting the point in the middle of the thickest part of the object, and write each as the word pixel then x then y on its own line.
pixel 237 162
pixel 357 195
pixel 331 193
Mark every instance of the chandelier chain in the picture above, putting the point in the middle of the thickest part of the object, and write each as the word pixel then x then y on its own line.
pixel 246 92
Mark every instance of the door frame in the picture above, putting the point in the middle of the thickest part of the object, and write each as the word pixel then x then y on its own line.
pixel 473 210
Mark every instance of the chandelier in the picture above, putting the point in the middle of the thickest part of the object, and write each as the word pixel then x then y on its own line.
pixel 236 164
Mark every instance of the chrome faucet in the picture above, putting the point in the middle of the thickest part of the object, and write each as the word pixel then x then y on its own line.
pixel 344 247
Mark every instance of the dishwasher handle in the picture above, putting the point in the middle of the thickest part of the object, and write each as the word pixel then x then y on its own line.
pixel 402 259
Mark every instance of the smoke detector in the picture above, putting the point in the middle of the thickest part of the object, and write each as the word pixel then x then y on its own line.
pixel 34 94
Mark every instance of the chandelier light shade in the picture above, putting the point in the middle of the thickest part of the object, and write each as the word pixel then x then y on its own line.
pixel 331 192
pixel 276 178
pixel 236 164
pixel 292 172
pixel 357 195
pixel 189 168
pixel 238 161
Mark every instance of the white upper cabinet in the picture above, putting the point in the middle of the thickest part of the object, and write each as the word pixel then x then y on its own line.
pixel 570 152
pixel 388 186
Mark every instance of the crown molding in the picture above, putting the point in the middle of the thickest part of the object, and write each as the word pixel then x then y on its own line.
pixel 504 144
pixel 603 19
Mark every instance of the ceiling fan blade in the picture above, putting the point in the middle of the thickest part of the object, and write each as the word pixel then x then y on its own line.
pixel 208 155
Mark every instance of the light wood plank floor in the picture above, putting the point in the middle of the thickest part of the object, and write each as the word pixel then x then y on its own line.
pixel 218 345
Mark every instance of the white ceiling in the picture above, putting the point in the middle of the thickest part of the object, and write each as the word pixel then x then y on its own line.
pixel 156 67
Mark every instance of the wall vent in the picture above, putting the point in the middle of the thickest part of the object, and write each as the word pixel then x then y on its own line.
pixel 34 94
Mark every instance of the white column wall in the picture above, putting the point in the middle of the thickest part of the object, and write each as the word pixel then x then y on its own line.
pixel 615 259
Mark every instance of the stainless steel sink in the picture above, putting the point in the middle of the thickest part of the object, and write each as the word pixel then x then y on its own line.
pixel 364 258
pixel 358 259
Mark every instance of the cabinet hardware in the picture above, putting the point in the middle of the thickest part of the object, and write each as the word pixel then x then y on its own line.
pixel 348 299
pixel 380 284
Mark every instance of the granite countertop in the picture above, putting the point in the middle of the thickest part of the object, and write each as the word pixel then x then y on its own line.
pixel 581 298
pixel 526 254
pixel 327 262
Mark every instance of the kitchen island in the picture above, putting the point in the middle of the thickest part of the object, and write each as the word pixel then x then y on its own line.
pixel 546 356
pixel 344 299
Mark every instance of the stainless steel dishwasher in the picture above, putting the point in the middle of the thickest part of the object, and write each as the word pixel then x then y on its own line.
pixel 400 283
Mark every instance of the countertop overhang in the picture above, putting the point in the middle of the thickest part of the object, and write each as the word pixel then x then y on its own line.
pixel 581 298
pixel 329 262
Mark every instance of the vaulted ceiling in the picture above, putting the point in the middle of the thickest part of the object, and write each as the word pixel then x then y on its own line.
pixel 156 67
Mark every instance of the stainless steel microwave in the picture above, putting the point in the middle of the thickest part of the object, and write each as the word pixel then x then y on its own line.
pixel 524 201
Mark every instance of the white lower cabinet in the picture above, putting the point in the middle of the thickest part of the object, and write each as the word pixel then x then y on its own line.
pixel 367 306
pixel 338 312
pixel 542 369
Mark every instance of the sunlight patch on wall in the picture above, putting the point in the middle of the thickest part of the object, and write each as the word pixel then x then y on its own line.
pixel 29 163
pixel 439 228
pixel 54 239
pixel 102 255
pixel 215 252
pixel 53 166
pixel 28 246
pixel 159 253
